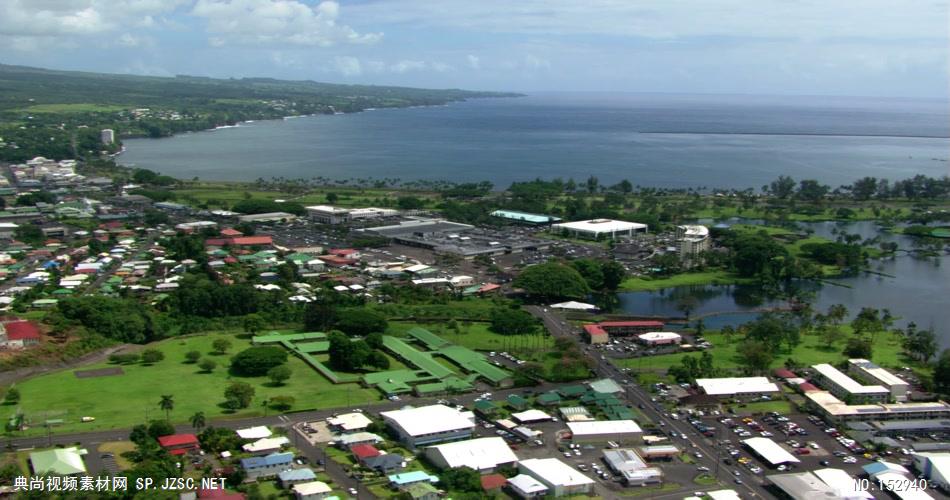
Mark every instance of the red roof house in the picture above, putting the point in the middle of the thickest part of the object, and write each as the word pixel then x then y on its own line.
pixel 630 327
pixel 22 333
pixel 252 240
pixel 337 261
pixel 231 233
pixel 493 482
pixel 364 451
pixel 784 373
pixel 596 334
pixel 179 444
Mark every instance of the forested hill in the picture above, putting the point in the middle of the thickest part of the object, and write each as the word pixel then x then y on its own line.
pixel 81 102
pixel 18 84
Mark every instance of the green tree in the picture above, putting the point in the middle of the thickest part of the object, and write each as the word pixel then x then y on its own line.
pixel 756 355
pixel 941 375
pixel 858 347
pixel 279 374
pixel 552 280
pixel 461 479
pixel 167 404
pixel 592 272
pixel 256 361
pixel 159 428
pixel 220 345
pixel 507 321
pixel 152 356
pixel 198 421
pixel 238 395
pixel 360 322
pixel 332 198
pixel 783 187
pixel 282 403
pixel 192 356
pixel 207 365
pixel 837 313
pixel 12 396
pixel 614 274
pixel 254 323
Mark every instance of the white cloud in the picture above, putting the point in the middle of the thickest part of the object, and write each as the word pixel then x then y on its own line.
pixel 282 22
pixel 473 61
pixel 47 18
pixel 405 65
pixel 347 66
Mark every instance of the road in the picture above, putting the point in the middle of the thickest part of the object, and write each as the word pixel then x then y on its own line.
pixel 709 449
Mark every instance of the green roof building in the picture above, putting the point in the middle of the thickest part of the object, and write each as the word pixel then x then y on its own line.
pixel 60 461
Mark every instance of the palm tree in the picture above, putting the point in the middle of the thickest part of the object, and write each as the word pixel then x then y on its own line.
pixel 167 403
pixel 198 420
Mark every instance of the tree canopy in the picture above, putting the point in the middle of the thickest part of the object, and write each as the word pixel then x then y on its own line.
pixel 552 280
pixel 258 360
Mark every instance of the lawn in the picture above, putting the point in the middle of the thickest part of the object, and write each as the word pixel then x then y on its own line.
pixel 117 448
pixel 122 401
pixel 74 108
pixel 886 352
pixel 477 336
pixel 759 407
pixel 716 277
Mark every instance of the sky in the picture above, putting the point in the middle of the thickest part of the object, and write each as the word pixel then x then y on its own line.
pixel 805 47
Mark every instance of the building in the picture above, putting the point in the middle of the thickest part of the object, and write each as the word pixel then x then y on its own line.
pixel 770 452
pixel 259 432
pixel 601 431
pixel 660 338
pixel 179 444
pixel 843 483
pixel 874 374
pixel 628 328
pixel 803 486
pixel 693 241
pixel 267 466
pixel 7 230
pixel 266 446
pixel 483 455
pixel 325 214
pixel 560 479
pixel 659 452
pixel 836 411
pixel 847 388
pixel 19 334
pixel 355 438
pixel 595 334
pixel 632 468
pixel 530 416
pixel 190 227
pixel 737 386
pixel 524 217
pixel 525 486
pixel 493 482
pixel 407 478
pixel 934 466
pixel 314 490
pixel 267 217
pixel 59 462
pixel 288 478
pixel 349 422
pixel 107 136
pixel 421 491
pixel 385 463
pixel 597 229
pixel 429 424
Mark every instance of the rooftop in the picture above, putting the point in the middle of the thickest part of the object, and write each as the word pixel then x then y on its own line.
pixel 770 451
pixel 428 419
pixel 477 454
pixel 876 372
pixel 847 383
pixel 601 226
pixel 554 471
pixel 736 385
pixel 602 427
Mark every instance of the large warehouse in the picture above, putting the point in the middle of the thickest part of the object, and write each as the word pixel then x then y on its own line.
pixel 429 424
pixel 874 374
pixel 560 478
pixel 736 386
pixel 483 454
pixel 843 386
pixel 601 431
pixel 596 229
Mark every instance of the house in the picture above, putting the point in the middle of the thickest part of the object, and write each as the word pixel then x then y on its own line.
pixel 595 334
pixel 267 466
pixel 259 432
pixel 59 462
pixel 526 486
pixel 601 431
pixel 179 444
pixel 493 482
pixel 313 490
pixel 385 463
pixel 407 478
pixel 264 446
pixel 363 451
pixel 291 477
pixel 349 422
pixel 421 491
pixel 21 334
pixel 349 440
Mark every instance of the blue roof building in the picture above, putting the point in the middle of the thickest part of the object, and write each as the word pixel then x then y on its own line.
pixel 416 476
pixel 294 476
pixel 268 465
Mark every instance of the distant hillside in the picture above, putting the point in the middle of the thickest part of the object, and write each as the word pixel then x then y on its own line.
pixel 69 107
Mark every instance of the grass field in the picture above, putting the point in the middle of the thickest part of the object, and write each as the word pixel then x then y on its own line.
pixel 759 407
pixel 717 277
pixel 477 336
pixel 74 108
pixel 886 352
pixel 124 400
pixel 346 196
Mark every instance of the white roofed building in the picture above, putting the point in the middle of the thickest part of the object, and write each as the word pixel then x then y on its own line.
pixel 349 422
pixel 843 386
pixel 526 486
pixel 266 445
pixel 601 431
pixel 660 338
pixel 429 424
pixel 874 374
pixel 483 455
pixel 631 467
pixel 258 432
pixel 599 228
pixel 837 411
pixel 561 479
pixel 529 416
pixel 770 451
pixel 737 386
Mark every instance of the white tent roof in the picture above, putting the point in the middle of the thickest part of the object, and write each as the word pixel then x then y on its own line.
pixel 736 385
pixel 428 419
pixel 574 305
pixel 477 454
pixel 554 471
pixel 770 451
pixel 258 432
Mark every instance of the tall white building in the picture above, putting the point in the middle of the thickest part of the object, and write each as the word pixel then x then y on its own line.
pixel 107 136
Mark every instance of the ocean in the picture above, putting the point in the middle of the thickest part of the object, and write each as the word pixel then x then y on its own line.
pixel 659 140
